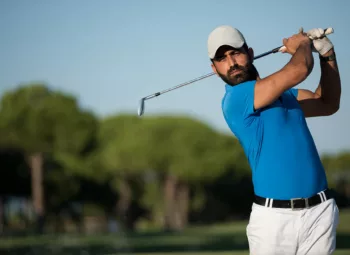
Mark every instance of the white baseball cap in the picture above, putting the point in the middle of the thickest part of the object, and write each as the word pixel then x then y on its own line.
pixel 224 35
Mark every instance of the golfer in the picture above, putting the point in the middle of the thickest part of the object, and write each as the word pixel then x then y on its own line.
pixel 293 211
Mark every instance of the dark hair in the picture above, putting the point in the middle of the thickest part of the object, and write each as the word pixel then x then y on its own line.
pixel 245 46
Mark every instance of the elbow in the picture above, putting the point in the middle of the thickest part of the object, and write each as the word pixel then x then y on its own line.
pixel 331 109
pixel 334 109
pixel 334 105
pixel 330 106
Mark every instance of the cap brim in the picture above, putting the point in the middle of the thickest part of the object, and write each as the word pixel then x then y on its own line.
pixel 234 45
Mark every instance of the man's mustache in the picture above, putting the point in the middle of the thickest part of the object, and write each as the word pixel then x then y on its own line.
pixel 235 68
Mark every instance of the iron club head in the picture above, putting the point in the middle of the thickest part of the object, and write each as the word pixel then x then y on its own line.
pixel 141 108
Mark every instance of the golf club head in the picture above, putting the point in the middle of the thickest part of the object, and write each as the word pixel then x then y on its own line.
pixel 141 108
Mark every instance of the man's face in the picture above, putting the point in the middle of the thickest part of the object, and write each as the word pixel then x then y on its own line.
pixel 234 66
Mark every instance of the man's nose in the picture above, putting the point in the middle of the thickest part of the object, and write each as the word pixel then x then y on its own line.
pixel 231 60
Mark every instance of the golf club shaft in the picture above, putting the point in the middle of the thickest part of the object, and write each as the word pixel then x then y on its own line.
pixel 204 76
pixel 178 86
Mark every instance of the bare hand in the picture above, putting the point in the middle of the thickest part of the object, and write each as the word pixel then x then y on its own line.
pixel 292 43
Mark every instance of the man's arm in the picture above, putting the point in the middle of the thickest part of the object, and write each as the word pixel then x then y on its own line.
pixel 267 90
pixel 325 100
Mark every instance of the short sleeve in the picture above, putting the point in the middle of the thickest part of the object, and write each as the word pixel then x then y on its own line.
pixel 294 92
pixel 238 105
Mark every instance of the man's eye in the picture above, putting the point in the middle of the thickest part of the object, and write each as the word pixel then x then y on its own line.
pixel 220 58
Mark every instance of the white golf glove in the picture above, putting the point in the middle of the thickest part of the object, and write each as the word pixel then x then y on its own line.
pixel 320 45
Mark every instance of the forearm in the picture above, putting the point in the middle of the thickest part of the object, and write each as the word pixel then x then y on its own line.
pixel 302 62
pixel 329 88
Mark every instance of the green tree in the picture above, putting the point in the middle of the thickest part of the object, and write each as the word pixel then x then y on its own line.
pixel 185 152
pixel 46 124
pixel 122 158
pixel 159 159
pixel 337 168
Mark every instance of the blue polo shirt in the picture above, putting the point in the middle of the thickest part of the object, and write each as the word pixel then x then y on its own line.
pixel 281 152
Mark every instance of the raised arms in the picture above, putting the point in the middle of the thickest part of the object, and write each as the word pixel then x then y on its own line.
pixel 268 89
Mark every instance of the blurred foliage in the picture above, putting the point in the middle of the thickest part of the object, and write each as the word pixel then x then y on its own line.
pixel 35 118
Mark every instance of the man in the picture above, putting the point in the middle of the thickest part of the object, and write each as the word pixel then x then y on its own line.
pixel 293 211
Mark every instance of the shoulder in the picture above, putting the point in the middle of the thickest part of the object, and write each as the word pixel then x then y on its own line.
pixel 239 93
pixel 293 92
pixel 240 96
pixel 238 102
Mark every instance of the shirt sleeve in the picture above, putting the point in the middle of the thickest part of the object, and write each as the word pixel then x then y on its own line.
pixel 294 92
pixel 238 105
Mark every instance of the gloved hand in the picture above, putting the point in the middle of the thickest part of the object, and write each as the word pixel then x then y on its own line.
pixel 321 45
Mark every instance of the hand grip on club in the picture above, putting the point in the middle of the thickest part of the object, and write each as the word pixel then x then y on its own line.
pixel 327 31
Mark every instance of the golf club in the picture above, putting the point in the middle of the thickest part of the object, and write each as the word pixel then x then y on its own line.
pixel 141 107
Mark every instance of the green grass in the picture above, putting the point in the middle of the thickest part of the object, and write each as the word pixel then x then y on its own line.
pixel 219 239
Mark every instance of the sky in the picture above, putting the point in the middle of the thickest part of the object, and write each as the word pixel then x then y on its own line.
pixel 110 54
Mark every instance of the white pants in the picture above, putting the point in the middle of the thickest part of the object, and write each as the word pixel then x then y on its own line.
pixel 310 231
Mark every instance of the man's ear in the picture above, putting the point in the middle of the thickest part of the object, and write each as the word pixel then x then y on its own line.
pixel 251 54
pixel 214 68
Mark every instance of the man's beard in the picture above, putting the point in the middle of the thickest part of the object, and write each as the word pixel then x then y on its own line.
pixel 247 73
